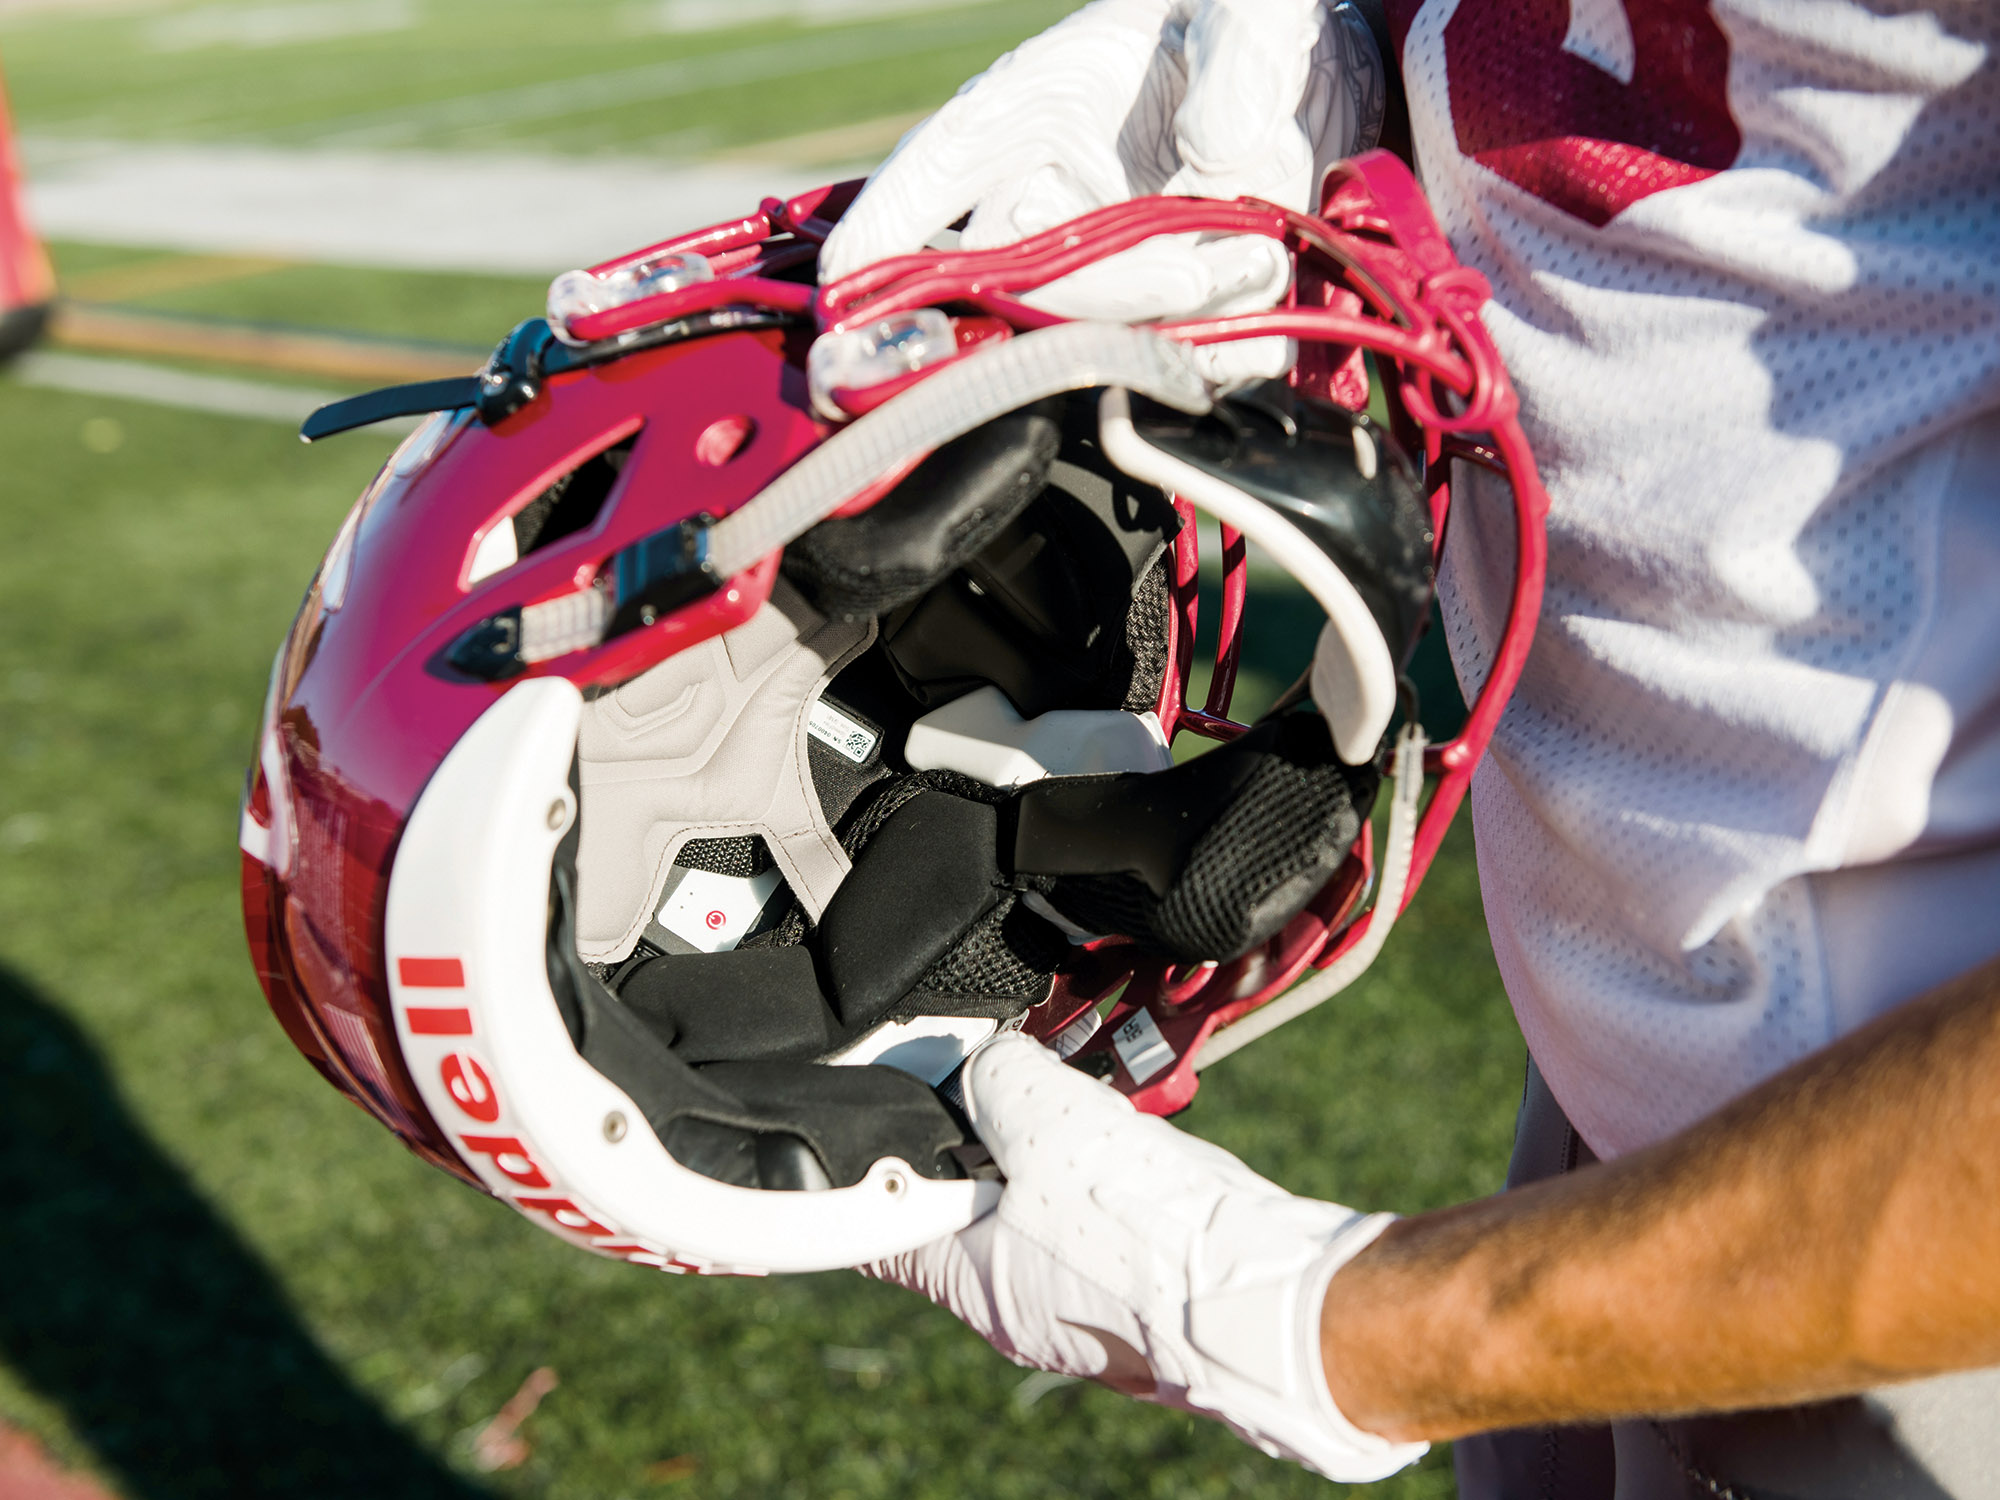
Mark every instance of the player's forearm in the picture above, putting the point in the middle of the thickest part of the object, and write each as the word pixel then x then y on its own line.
pixel 1836 1228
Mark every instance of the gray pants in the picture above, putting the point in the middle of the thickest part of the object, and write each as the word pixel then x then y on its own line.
pixel 1929 1440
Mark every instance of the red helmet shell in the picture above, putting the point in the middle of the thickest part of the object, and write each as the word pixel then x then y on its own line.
pixel 365 705
pixel 361 711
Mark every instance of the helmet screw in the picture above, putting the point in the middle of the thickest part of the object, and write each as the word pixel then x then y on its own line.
pixel 648 614
pixel 558 810
pixel 614 1127
pixel 893 1184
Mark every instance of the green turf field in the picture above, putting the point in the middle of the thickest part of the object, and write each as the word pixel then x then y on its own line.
pixel 586 75
pixel 217 1277
pixel 472 311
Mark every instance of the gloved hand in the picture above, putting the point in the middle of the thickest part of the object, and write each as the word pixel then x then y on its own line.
pixel 1127 1252
pixel 1212 98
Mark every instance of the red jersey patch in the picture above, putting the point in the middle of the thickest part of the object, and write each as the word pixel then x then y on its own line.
pixel 1567 130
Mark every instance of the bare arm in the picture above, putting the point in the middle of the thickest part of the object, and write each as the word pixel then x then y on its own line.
pixel 1836 1228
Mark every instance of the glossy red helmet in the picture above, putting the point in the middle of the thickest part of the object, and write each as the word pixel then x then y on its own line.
pixel 744 695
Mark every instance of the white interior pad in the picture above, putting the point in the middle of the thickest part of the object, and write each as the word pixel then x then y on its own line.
pixel 711 913
pixel 930 1047
pixel 711 743
pixel 983 736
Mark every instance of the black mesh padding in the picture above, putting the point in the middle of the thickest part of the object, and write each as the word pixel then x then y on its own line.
pixel 889 801
pixel 1205 860
pixel 1003 965
pixel 1115 903
pixel 791 928
pixel 742 856
pixel 1146 639
pixel 1271 851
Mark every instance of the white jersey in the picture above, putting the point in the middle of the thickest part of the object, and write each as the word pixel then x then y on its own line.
pixel 1746 268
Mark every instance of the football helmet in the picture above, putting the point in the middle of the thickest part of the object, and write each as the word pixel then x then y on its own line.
pixel 743 696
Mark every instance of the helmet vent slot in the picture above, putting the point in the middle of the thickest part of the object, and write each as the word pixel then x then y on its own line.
pixel 573 502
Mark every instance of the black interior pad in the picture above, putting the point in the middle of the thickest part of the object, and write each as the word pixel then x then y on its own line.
pixel 775 1125
pixel 922 881
pixel 1209 858
pixel 953 504
pixel 1298 457
pixel 752 1004
pixel 772 1159
pixel 1040 614
pixel 852 1116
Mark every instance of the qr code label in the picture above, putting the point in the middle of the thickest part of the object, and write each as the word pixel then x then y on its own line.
pixel 845 736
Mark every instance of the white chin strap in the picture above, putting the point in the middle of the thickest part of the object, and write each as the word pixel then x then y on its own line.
pixel 547 1133
pixel 1353 677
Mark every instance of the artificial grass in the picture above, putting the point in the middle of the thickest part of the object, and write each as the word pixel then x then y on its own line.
pixel 474 311
pixel 90 74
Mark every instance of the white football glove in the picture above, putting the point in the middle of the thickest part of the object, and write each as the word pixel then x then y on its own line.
pixel 1127 1252
pixel 1210 98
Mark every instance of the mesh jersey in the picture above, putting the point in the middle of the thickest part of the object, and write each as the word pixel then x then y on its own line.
pixel 1746 263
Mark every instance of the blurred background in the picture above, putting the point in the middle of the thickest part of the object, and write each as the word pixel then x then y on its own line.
pixel 217 1278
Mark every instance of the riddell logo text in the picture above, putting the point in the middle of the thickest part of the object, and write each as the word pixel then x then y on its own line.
pixel 468 1083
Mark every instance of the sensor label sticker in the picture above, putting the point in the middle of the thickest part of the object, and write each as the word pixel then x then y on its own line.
pixel 713 912
pixel 1141 1047
pixel 848 737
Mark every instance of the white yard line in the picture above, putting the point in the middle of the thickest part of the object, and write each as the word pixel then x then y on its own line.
pixel 260 26
pixel 159 385
pixel 682 16
pixel 346 195
pixel 558 98
pixel 407 210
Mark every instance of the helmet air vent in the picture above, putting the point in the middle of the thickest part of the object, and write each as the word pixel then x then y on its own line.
pixel 570 504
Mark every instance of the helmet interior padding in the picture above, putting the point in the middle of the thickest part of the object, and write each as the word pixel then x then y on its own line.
pixel 709 744
pixel 944 514
pixel 1208 859
pixel 769 1123
pixel 1061 605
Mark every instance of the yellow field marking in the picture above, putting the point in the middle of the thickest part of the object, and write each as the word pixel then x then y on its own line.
pixel 168 273
pixel 839 144
pixel 114 330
